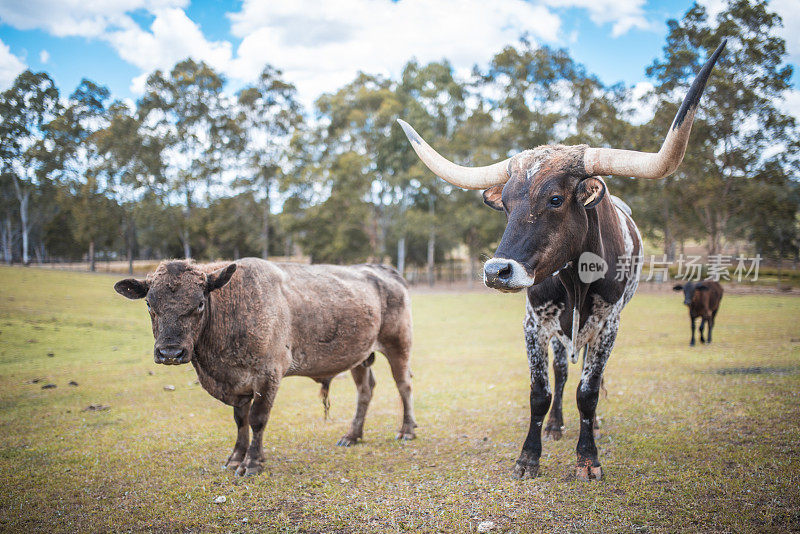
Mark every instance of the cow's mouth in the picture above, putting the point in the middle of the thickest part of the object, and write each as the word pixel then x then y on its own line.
pixel 184 356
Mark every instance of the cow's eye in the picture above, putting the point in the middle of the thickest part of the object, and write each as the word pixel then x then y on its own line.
pixel 556 201
pixel 201 306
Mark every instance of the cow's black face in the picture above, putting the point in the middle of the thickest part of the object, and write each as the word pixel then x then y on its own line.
pixel 690 290
pixel 177 298
pixel 547 220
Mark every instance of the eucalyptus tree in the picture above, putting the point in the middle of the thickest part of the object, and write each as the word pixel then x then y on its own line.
pixel 26 109
pixel 740 129
pixel 185 112
pixel 269 113
pixel 354 128
pixel 130 165
pixel 76 166
pixel 435 99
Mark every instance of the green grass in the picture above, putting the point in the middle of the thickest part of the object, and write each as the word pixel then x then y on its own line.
pixel 684 447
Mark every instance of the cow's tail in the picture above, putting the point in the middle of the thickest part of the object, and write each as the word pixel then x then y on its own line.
pixel 323 394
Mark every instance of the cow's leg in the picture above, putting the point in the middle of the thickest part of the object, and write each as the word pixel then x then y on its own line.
pixel 555 421
pixel 240 415
pixel 692 319
pixel 253 462
pixel 711 321
pixel 365 383
pixel 398 355
pixel 588 465
pixel 702 326
pixel 527 465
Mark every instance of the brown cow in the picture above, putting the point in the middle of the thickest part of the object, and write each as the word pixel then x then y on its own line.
pixel 703 299
pixel 246 325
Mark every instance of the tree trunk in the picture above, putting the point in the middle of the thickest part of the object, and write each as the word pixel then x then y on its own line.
pixel 431 243
pixel 129 240
pixel 8 237
pixel 265 228
pixel 23 218
pixel 187 212
pixel 187 249
pixel 401 256
pixel 471 267
pixel 92 266
pixel 669 240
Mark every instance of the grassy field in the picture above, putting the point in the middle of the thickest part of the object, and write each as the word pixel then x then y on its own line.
pixel 692 439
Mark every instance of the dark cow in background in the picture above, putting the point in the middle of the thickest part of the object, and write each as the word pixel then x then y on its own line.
pixel 246 325
pixel 703 299
pixel 560 219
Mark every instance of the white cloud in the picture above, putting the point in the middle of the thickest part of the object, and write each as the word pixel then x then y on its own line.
pixel 624 14
pixel 10 66
pixel 643 101
pixel 172 37
pixel 84 18
pixel 44 56
pixel 790 104
pixel 321 45
pixel 790 13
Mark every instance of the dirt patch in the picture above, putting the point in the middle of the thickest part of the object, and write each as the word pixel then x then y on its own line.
pixel 757 371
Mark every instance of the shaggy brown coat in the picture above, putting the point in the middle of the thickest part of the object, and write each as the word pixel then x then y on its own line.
pixel 246 325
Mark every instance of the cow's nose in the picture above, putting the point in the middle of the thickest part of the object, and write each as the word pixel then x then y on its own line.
pixel 497 273
pixel 171 353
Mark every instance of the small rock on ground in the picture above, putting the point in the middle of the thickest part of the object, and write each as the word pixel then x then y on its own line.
pixel 169 387
pixel 221 499
pixel 485 526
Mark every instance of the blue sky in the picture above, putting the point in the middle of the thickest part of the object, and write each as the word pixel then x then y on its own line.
pixel 321 45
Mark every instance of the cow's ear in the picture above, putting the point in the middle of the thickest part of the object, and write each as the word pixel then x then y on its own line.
pixel 493 197
pixel 677 287
pixel 132 288
pixel 220 277
pixel 701 287
pixel 590 192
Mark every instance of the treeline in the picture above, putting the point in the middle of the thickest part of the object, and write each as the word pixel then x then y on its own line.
pixel 193 171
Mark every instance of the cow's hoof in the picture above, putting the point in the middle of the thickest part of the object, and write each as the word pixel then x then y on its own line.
pixel 248 469
pixel 554 433
pixel 405 435
pixel 691 343
pixel 231 466
pixel 346 441
pixel 234 461
pixel 522 471
pixel 586 470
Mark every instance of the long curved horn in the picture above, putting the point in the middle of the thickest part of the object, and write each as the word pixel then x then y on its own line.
pixel 602 161
pixel 464 177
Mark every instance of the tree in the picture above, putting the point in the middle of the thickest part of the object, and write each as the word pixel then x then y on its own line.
pixel 434 102
pixel 186 114
pixel 79 166
pixel 130 165
pixel 26 108
pixel 269 113
pixel 739 123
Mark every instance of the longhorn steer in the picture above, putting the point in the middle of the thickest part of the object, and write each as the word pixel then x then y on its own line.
pixel 559 218
pixel 703 299
pixel 246 325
